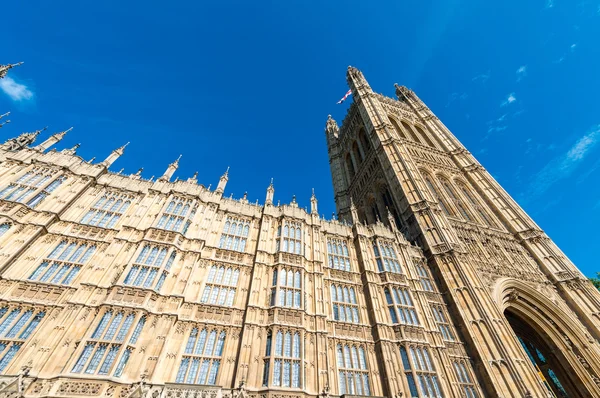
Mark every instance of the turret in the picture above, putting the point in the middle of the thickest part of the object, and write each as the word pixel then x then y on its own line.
pixel 170 170
pixel 313 203
pixel 5 68
pixel 353 212
pixel 357 82
pixel 53 139
pixel 22 141
pixel 223 182
pixel 114 156
pixel 270 194
pixel 332 132
pixel 138 174
pixel 71 151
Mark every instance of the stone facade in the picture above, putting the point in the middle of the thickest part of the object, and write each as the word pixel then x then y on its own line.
pixel 433 282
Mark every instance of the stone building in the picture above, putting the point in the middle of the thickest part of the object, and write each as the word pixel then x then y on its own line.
pixel 432 283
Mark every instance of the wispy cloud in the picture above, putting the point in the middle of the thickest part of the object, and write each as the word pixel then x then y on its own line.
pixel 456 96
pixel 16 91
pixel 550 4
pixel 521 72
pixel 483 77
pixel 572 49
pixel 495 126
pixel 563 165
pixel 509 100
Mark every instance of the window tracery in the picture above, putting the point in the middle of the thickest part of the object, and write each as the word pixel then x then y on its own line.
pixel 107 210
pixel 114 336
pixel 457 202
pixel 33 187
pixel 477 206
pixel 287 286
pixel 338 255
pixel 4 227
pixel 221 285
pixel 437 195
pixel 17 324
pixel 400 306
pixel 345 303
pixel 353 372
pixel 290 239
pixel 235 234
pixel 464 379
pixel 424 277
pixel 439 314
pixel 63 263
pixel 420 372
pixel 149 263
pixel 386 257
pixel 178 215
pixel 202 356
pixel 284 358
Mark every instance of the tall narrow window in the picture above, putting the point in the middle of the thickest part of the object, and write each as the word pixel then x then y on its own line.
pixel 364 140
pixel 482 213
pixel 4 227
pixel 437 196
pixel 386 257
pixel 338 255
pixel 151 267
pixel 235 234
pixel 221 285
pixel 357 153
pixel 424 277
pixel 350 166
pixel 63 264
pixel 178 215
pixel 457 202
pixel 344 303
pixel 398 129
pixel 439 314
pixel 284 358
pixel 286 290
pixel 353 373
pixel 400 306
pixel 114 337
pixel 464 380
pixel 33 187
pixel 107 210
pixel 201 357
pixel 289 238
pixel 420 373
pixel 16 325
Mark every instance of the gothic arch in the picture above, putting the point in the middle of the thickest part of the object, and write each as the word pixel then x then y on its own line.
pixel 410 131
pixel 421 131
pixel 568 353
pixel 397 127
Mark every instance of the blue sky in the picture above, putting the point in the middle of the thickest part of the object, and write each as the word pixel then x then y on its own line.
pixel 249 85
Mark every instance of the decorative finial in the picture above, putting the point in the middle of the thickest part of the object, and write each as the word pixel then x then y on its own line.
pixel 5 68
pixel 120 171
pixel 92 159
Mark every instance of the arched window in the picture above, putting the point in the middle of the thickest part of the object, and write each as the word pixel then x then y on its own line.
pixel 464 379
pixel 33 187
pixel 288 287
pixel 400 306
pixel 364 140
pixel 291 241
pixel 285 359
pixel 350 166
pixel 107 210
pixel 16 326
pixel 411 132
pixel 398 129
pixel 344 303
pixel 63 264
pixel 357 153
pixel 424 136
pixel 482 213
pixel 385 255
pixel 436 195
pixel 110 340
pixel 221 285
pixel 149 264
pixel 202 357
pixel 457 202
pixel 177 216
pixel 235 234
pixel 338 255
pixel 419 371
pixel 4 227
pixel 439 314
pixel 353 371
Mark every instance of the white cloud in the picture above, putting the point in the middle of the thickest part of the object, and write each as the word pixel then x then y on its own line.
pixel 509 100
pixel 564 165
pixel 456 96
pixel 521 72
pixel 550 4
pixel 483 77
pixel 573 46
pixel 16 91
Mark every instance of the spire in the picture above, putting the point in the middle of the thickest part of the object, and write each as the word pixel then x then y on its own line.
pixel 91 160
pixel 331 127
pixel 270 194
pixel 53 139
pixel 72 150
pixel 193 178
pixel 138 174
pixel 294 203
pixel 22 141
pixel 402 92
pixel 313 203
pixel 244 198
pixel 114 156
pixel 5 68
pixel 353 211
pixel 357 82
pixel 223 182
pixel 170 170
pixel 6 122
pixel 391 219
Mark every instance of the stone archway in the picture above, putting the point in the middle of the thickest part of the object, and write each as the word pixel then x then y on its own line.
pixel 565 358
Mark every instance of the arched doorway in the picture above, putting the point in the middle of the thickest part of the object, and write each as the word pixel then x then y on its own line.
pixel 545 357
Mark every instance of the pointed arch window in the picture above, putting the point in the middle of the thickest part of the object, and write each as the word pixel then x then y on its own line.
pixel 63 263
pixel 424 135
pixel 107 210
pixel 235 234
pixel 419 372
pixel 385 255
pixel 441 320
pixel 464 379
pixel 202 356
pixel 437 195
pixel 111 344
pixel 289 238
pixel 33 187
pixel 178 215
pixel 408 128
pixel 17 324
pixel 151 267
pixel 284 357
pixel 400 306
pixel 457 202
pixel 4 227
pixel 364 140
pixel 221 285
pixel 286 290
pixel 350 166
pixel 358 155
pixel 424 277
pixel 476 205
pixel 398 129
pixel 344 303
pixel 338 255
pixel 353 372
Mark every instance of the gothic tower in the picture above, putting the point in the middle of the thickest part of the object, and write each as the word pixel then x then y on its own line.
pixel 529 318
